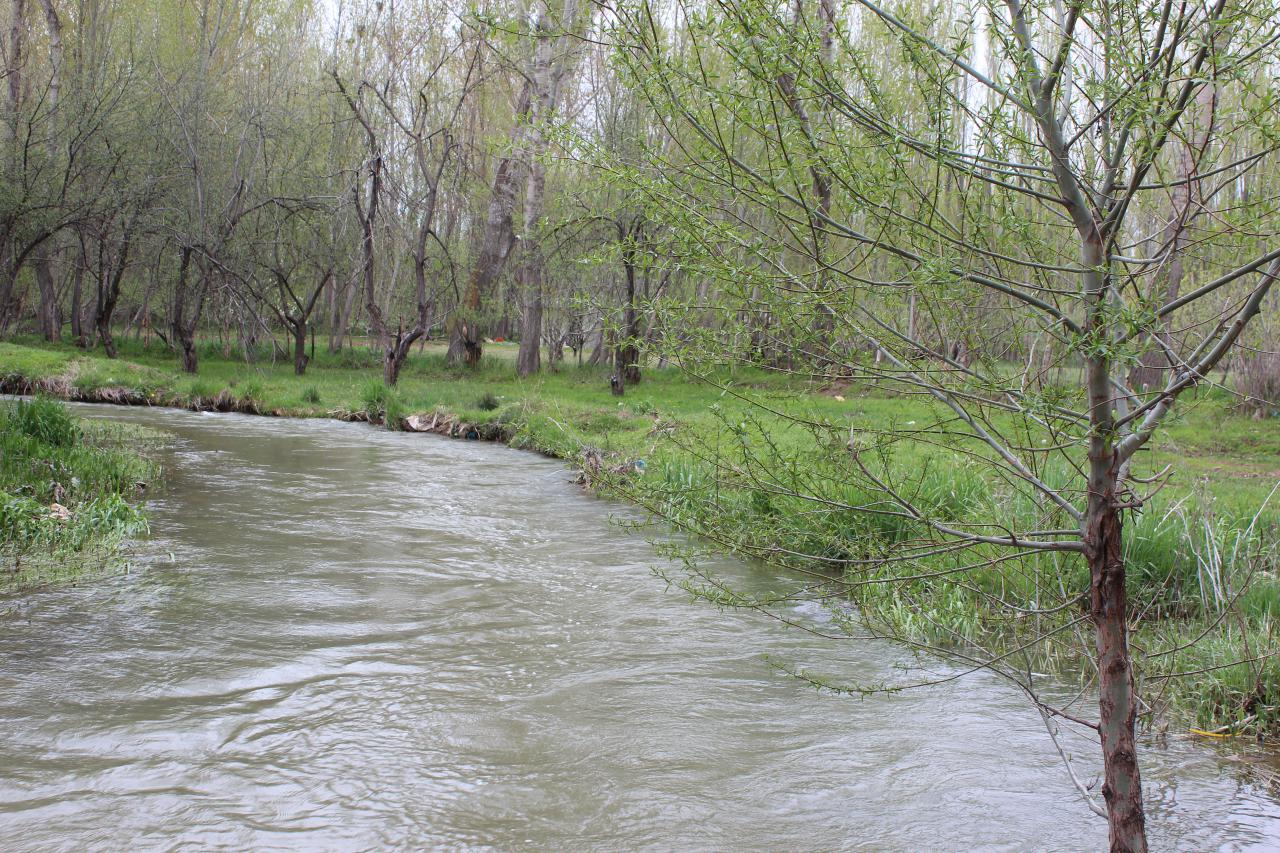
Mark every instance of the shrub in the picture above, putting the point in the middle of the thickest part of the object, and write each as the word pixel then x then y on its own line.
pixel 488 402
pixel 311 394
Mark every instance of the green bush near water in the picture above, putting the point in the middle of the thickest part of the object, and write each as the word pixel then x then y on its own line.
pixel 69 492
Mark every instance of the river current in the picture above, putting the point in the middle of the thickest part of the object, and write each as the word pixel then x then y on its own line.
pixel 339 638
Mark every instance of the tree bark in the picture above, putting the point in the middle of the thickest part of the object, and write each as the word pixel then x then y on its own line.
pixel 529 360
pixel 109 281
pixel 820 175
pixel 77 307
pixel 342 318
pixel 465 335
pixel 46 274
pixel 1108 607
pixel 50 316
pixel 300 357
pixel 627 358
pixel 1108 599
pixel 184 328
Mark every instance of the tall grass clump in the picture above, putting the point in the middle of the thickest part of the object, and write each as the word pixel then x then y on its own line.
pixel 383 405
pixel 43 419
pixel 69 492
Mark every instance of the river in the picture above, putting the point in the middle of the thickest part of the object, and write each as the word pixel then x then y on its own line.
pixel 340 638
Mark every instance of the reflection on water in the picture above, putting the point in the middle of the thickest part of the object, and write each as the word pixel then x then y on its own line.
pixel 377 641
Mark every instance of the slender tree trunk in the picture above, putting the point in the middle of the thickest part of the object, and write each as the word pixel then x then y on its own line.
pixel 820 175
pixel 528 361
pixel 1108 601
pixel 10 298
pixel 627 358
pixel 300 357
pixel 183 329
pixel 599 350
pixel 368 217
pixel 46 274
pixel 109 282
pixel 465 335
pixel 103 315
pixel 50 316
pixel 342 322
pixel 77 307
pixel 1108 607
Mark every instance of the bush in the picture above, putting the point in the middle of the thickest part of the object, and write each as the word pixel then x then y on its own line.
pixel 488 402
pixel 311 394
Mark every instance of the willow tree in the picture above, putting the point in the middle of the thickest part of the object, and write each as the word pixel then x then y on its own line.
pixel 938 192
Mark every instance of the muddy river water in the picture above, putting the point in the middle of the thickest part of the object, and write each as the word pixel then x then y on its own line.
pixel 339 638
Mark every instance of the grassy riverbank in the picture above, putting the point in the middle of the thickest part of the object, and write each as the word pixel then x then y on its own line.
pixel 1192 551
pixel 69 493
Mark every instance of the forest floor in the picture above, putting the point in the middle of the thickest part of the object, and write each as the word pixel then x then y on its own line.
pixel 1226 465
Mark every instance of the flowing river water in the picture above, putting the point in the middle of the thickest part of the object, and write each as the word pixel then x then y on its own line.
pixel 347 639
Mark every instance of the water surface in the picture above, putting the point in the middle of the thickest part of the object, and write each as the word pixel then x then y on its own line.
pixel 348 639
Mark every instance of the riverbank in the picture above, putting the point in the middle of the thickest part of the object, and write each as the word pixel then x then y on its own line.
pixel 1203 556
pixel 70 493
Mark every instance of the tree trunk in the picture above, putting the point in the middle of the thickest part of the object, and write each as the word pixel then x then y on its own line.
pixel 822 180
pixel 50 318
pixel 342 320
pixel 77 307
pixel 627 358
pixel 599 350
pixel 1108 600
pixel 106 307
pixel 1108 607
pixel 184 330
pixel 109 281
pixel 528 361
pixel 396 355
pixel 46 277
pixel 465 337
pixel 537 99
pixel 300 357
pixel 9 303
pixel 105 336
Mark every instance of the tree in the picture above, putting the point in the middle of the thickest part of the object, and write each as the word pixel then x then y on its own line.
pixel 1015 175
pixel 542 72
